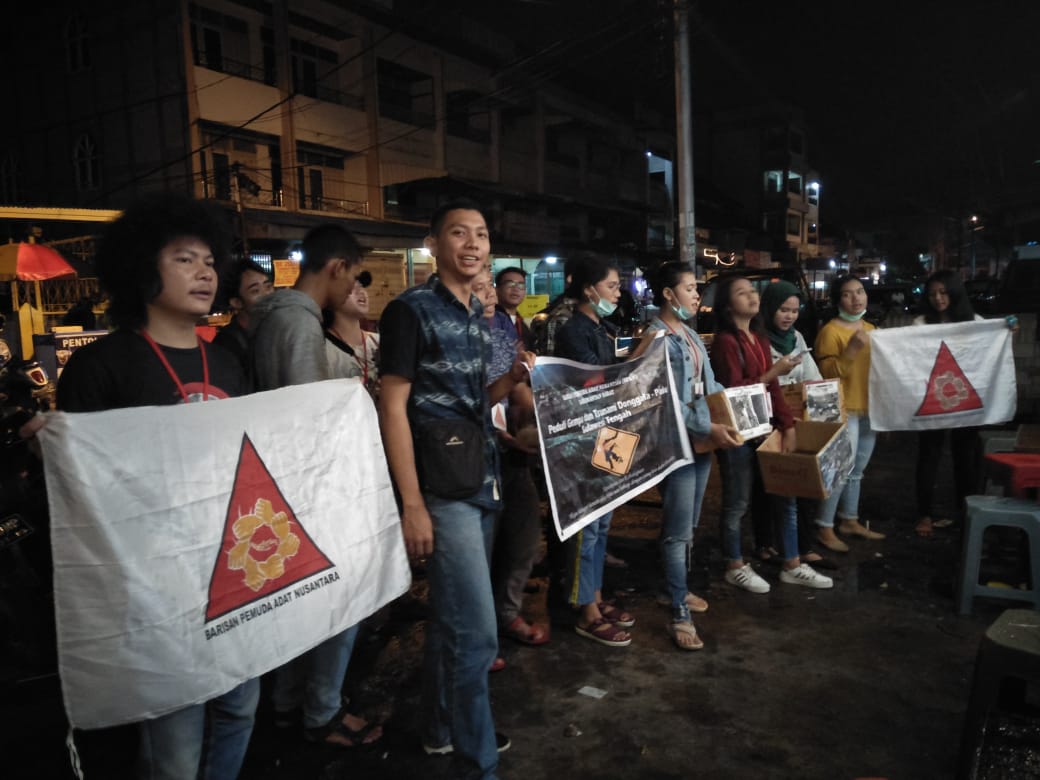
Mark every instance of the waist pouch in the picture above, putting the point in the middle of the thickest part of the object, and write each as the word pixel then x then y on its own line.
pixel 449 457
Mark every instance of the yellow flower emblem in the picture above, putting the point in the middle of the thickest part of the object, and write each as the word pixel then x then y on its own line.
pixel 251 537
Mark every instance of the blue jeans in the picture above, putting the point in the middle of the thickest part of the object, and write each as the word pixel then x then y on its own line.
pixel 785 508
pixel 737 468
pixel 314 680
pixel 682 494
pixel 207 741
pixel 590 554
pixel 845 502
pixel 461 637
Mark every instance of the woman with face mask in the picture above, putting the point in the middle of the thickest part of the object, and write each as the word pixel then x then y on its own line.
pixel 843 349
pixel 682 492
pixel 588 338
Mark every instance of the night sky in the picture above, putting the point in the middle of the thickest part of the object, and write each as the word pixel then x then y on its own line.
pixel 912 107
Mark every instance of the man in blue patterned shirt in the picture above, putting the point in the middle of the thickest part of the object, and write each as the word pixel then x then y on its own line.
pixel 433 363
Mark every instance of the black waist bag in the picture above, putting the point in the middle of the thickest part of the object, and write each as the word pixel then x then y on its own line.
pixel 449 455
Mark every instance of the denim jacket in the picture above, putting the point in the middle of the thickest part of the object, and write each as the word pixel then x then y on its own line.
pixel 696 416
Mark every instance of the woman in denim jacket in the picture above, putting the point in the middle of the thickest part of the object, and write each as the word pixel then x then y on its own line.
pixel 675 294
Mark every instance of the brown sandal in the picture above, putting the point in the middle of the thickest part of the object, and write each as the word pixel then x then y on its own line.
pixel 604 632
pixel 616 615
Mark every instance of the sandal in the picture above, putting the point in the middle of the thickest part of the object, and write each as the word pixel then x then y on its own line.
pixel 604 632
pixel 338 734
pixel 766 554
pixel 615 615
pixel 924 528
pixel 684 635
pixel 526 633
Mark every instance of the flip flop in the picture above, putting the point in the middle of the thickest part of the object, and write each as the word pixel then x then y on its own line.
pixel 526 633
pixel 682 627
pixel 604 632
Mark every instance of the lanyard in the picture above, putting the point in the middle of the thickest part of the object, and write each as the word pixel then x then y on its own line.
pixel 363 360
pixel 694 352
pixel 173 374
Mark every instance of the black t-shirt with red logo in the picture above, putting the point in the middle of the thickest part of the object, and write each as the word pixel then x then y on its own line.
pixel 122 370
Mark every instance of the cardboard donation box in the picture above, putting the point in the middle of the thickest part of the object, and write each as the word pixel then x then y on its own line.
pixel 747 408
pixel 820 465
pixel 821 400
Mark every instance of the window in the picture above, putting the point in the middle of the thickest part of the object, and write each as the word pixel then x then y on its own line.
pixel 270 56
pixel 794 183
pixel 810 230
pixel 405 94
pixel 774 181
pixel 221 42
pixel 77 44
pixel 794 225
pixel 221 177
pixel 86 164
pixel 311 186
pixel 274 155
pixel 467 116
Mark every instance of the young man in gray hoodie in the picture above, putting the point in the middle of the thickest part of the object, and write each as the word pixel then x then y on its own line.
pixel 289 349
pixel 288 338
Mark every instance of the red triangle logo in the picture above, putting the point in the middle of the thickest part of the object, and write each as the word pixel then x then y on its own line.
pixel 264 547
pixel 948 388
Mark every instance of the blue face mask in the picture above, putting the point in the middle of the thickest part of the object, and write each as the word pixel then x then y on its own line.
pixel 682 312
pixel 604 308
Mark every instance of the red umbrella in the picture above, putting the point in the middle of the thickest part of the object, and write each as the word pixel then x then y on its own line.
pixel 32 263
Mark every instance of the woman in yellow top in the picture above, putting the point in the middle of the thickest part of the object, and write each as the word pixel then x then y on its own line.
pixel 843 352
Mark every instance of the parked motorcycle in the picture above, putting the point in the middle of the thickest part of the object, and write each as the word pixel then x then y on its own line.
pixel 26 604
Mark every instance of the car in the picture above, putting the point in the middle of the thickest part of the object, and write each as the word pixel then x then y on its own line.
pixel 808 318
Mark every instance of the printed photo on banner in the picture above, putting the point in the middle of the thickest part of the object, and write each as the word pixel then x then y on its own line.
pixel 608 433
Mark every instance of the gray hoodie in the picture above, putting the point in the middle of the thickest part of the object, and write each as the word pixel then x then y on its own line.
pixel 288 340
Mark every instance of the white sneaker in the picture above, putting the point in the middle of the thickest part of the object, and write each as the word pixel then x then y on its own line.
pixel 746 578
pixel 806 575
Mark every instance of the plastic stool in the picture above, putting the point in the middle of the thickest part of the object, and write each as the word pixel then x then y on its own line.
pixel 1009 651
pixel 984 511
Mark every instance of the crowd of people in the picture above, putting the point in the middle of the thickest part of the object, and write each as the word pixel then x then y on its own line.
pixel 452 356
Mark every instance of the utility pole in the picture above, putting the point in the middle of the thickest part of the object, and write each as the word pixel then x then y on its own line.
pixel 684 135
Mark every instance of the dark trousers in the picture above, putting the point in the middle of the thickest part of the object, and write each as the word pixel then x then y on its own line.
pixel 964 451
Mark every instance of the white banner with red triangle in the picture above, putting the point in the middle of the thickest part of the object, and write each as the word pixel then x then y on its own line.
pixel 942 376
pixel 197 546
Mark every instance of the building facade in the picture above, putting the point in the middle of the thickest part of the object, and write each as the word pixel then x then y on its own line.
pixel 291 114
